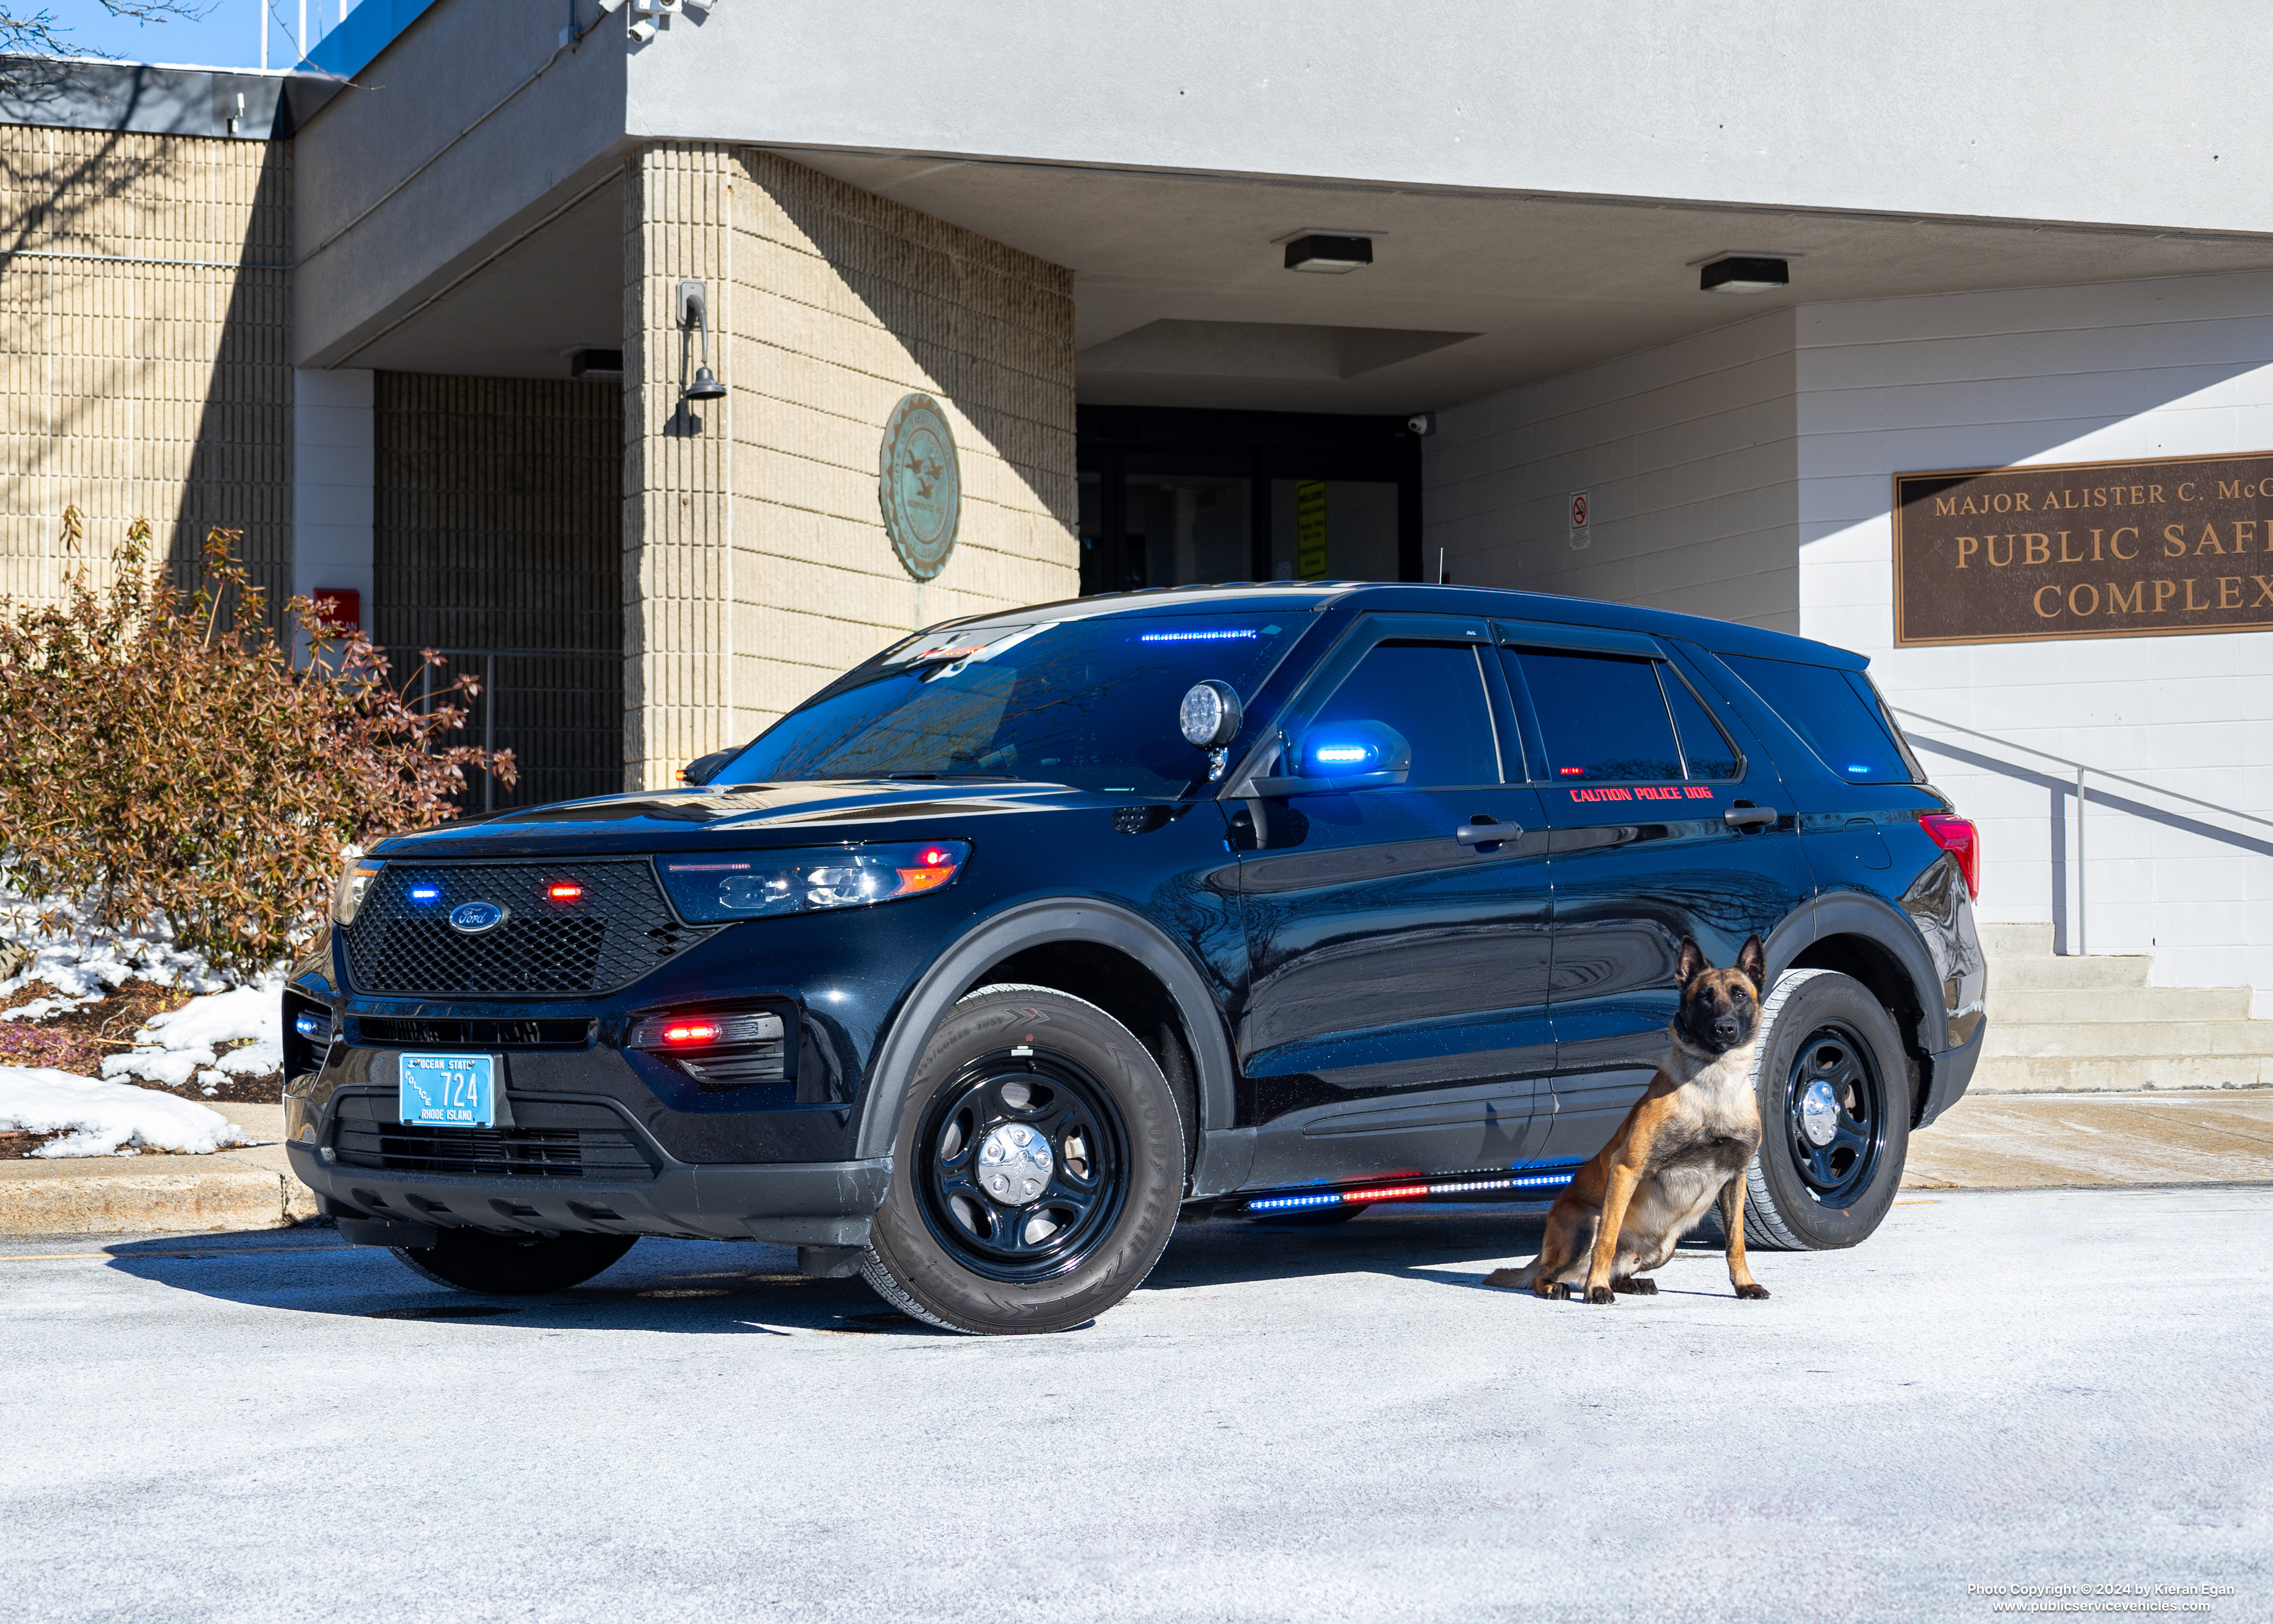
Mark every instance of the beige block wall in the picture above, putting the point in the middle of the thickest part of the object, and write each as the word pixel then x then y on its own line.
pixel 144 362
pixel 756 563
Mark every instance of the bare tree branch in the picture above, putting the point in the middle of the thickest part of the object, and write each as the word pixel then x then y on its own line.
pixel 27 33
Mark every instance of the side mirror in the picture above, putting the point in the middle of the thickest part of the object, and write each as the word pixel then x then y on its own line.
pixel 702 769
pixel 1343 755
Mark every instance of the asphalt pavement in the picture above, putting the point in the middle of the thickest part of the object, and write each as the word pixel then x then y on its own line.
pixel 2047 1387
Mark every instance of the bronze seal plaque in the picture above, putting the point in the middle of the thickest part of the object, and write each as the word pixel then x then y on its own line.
pixel 920 486
pixel 2153 548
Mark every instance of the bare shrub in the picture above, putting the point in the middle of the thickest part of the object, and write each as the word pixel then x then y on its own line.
pixel 165 761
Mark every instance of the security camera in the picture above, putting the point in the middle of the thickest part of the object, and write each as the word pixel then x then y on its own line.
pixel 1422 423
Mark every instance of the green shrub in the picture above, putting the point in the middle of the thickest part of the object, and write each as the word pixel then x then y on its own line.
pixel 164 761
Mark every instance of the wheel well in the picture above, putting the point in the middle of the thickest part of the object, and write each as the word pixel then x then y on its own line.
pixel 1882 973
pixel 1132 995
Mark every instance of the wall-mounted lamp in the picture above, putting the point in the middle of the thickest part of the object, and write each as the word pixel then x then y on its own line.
pixel 694 313
pixel 1743 274
pixel 1334 256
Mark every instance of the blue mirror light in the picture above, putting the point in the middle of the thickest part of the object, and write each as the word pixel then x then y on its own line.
pixel 1354 754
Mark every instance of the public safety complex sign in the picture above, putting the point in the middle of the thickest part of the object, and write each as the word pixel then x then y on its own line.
pixel 2084 549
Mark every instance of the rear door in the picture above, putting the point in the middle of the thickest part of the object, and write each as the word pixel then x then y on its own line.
pixel 1396 1019
pixel 1666 820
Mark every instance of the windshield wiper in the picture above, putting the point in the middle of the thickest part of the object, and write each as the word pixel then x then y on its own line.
pixel 998 778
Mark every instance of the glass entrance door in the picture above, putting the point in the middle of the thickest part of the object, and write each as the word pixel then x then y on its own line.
pixel 1176 498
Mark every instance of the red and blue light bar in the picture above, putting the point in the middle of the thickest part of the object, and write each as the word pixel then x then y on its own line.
pixel 1535 1178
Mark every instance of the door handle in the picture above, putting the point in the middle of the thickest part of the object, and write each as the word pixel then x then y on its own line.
pixel 1745 815
pixel 1486 834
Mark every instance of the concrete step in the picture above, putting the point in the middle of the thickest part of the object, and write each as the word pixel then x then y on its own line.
pixel 2012 1074
pixel 2009 941
pixel 2076 974
pixel 2117 1039
pixel 2028 1006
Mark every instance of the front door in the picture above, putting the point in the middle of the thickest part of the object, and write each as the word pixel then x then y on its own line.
pixel 1396 1019
pixel 1663 825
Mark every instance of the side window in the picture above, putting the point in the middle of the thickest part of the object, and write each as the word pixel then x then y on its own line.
pixel 1710 754
pixel 1433 692
pixel 1837 712
pixel 1603 716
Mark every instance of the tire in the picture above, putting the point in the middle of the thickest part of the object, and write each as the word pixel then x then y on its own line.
pixel 511 1265
pixel 1826 1037
pixel 943 1249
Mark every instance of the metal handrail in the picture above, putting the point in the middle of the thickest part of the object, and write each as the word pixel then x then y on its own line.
pixel 2082 771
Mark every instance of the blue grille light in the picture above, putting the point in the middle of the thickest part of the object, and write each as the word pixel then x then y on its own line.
pixel 1225 636
pixel 424 893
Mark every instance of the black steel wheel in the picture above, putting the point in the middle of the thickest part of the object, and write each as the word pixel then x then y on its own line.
pixel 1037 1168
pixel 1022 1165
pixel 513 1265
pixel 1835 1115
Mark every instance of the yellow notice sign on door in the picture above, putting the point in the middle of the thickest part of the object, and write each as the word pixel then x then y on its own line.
pixel 1311 529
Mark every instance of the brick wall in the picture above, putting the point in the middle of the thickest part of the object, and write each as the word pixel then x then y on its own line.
pixel 145 361
pixel 756 565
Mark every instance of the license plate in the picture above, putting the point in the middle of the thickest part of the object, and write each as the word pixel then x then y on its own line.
pixel 448 1091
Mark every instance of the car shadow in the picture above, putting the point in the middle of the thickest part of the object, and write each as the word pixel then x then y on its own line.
pixel 706 1287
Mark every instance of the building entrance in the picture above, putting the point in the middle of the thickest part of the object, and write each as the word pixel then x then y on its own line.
pixel 1171 497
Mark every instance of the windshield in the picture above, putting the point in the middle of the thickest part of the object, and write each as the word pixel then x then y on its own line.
pixel 1089 702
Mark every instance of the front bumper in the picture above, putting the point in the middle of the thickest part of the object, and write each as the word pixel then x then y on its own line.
pixel 790 1204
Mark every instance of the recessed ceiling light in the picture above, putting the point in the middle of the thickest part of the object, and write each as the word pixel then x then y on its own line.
pixel 1334 256
pixel 1740 274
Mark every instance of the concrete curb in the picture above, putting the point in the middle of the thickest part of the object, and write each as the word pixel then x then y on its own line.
pixel 237 1197
pixel 253 1188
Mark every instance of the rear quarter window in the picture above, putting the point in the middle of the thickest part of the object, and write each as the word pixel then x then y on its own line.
pixel 1837 713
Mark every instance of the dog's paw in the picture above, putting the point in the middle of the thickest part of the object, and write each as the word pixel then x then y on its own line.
pixel 1556 1293
pixel 1753 1293
pixel 1601 1294
pixel 1633 1287
pixel 1504 1277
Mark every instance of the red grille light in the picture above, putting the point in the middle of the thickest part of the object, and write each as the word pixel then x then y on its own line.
pixel 687 1033
pixel 1961 839
pixel 564 891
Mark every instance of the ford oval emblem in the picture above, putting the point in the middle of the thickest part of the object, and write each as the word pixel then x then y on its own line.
pixel 472 918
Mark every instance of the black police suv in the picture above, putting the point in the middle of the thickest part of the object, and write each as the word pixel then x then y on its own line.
pixel 1037 931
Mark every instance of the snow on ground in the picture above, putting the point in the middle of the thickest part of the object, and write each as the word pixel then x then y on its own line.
pixel 81 965
pixel 102 1118
pixel 196 1038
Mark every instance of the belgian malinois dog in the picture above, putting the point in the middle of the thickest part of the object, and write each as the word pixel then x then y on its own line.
pixel 1687 1142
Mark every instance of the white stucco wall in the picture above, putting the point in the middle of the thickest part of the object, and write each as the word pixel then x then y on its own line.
pixel 1748 473
pixel 2164 368
pixel 1686 453
pixel 332 471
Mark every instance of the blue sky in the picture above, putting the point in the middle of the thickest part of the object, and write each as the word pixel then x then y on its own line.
pixel 227 36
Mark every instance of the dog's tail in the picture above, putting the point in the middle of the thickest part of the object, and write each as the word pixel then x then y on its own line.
pixel 1517 1280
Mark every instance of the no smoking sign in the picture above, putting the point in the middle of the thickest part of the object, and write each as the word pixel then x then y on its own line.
pixel 1579 535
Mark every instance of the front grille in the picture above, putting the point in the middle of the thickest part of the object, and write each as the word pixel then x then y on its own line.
pixel 550 1140
pixel 617 930
pixel 400 1032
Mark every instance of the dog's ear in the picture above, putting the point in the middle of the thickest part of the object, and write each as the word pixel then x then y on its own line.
pixel 1692 960
pixel 1752 959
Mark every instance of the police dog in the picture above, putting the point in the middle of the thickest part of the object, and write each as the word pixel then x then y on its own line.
pixel 1686 1142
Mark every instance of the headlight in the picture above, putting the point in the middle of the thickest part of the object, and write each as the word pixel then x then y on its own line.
pixel 754 885
pixel 353 884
